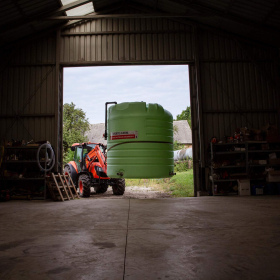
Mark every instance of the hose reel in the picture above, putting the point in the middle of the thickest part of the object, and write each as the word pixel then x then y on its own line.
pixel 49 157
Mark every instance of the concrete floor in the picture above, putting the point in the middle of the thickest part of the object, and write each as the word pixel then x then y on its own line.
pixel 188 238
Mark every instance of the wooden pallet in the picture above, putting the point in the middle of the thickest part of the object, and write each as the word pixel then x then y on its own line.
pixel 61 187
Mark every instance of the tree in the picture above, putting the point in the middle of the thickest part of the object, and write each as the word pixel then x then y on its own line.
pixel 75 125
pixel 185 115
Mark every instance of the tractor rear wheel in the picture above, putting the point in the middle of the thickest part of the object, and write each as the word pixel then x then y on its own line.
pixel 67 171
pixel 84 185
pixel 102 188
pixel 118 186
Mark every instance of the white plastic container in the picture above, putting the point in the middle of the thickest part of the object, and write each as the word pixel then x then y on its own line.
pixel 244 187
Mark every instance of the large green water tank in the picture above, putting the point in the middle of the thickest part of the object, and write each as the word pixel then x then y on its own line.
pixel 140 141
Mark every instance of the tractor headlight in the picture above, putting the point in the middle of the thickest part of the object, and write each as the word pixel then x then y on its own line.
pixel 100 172
pixel 98 169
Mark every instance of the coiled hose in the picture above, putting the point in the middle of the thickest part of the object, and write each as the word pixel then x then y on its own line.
pixel 49 159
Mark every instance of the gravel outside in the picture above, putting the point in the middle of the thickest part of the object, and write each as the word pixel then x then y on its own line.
pixel 136 192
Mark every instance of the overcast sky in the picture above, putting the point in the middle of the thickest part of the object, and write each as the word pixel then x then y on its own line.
pixel 90 87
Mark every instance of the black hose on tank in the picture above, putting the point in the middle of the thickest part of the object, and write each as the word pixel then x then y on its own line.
pixel 106 108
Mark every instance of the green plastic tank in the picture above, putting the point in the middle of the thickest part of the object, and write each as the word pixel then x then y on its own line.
pixel 140 141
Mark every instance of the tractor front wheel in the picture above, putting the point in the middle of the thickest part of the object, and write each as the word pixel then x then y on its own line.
pixel 84 185
pixel 118 186
pixel 102 188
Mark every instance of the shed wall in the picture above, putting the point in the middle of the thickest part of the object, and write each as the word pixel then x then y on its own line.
pixel 239 84
pixel 28 96
pixel 233 84
pixel 127 40
pixel 26 106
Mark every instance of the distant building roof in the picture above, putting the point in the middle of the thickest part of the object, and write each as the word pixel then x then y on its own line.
pixel 95 133
pixel 182 133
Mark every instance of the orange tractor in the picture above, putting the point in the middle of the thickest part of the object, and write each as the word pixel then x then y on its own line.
pixel 89 169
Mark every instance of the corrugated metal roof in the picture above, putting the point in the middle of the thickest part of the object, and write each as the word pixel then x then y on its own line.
pixel 255 19
pixel 103 4
pixel 22 18
pixel 82 10
pixel 12 11
pixel 66 2
pixel 250 19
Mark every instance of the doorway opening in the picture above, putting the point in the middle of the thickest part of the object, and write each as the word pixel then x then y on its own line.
pixel 89 88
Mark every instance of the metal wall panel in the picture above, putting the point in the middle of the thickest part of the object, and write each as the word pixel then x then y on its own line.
pixel 127 40
pixel 27 96
pixel 27 99
pixel 239 85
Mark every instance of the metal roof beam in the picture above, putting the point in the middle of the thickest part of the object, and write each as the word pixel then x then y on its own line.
pixel 39 17
pixel 96 16
pixel 125 32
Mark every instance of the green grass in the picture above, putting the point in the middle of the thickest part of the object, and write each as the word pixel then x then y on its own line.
pixel 180 185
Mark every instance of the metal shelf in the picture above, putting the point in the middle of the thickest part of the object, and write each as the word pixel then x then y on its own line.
pixel 230 152
pixel 21 179
pixel 230 166
pixel 28 164
pixel 224 180
pixel 21 147
pixel 225 193
pixel 218 151
pixel 22 161
pixel 262 165
pixel 257 165
pixel 258 179
pixel 263 151
pixel 228 144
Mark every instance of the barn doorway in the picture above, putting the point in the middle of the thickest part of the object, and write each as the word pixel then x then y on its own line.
pixel 89 88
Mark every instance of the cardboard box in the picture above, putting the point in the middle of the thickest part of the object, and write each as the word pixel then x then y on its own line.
pixel 273 176
pixel 244 187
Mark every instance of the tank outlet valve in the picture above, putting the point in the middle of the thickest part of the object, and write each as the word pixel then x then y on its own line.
pixel 172 173
pixel 120 173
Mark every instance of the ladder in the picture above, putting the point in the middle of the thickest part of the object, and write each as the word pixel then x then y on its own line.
pixel 61 187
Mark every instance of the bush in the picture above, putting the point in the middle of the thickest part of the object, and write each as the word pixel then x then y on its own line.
pixel 68 156
pixel 177 146
pixel 181 166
